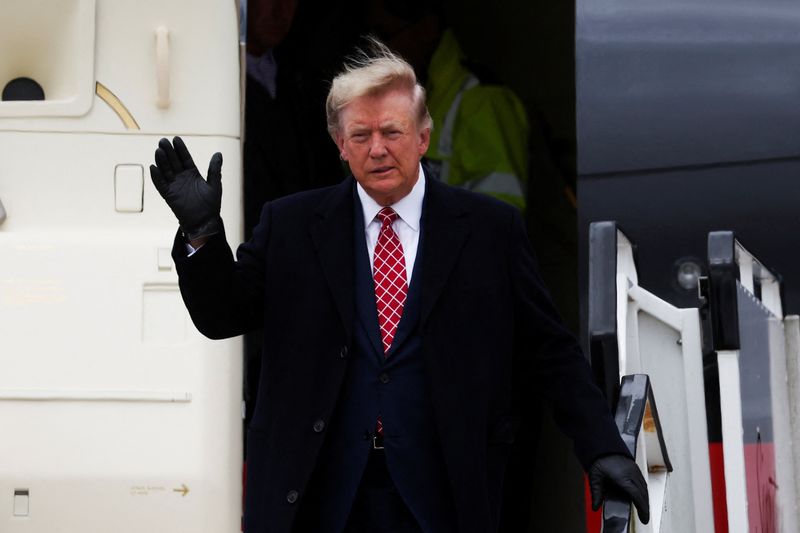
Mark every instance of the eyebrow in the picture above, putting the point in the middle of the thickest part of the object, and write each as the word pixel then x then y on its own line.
pixel 362 127
pixel 391 124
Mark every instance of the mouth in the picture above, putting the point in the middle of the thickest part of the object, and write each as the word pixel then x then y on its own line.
pixel 380 171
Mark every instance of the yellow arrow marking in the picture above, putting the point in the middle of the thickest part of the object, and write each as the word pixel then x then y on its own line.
pixel 184 490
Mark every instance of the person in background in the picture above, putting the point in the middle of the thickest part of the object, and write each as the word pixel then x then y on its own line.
pixel 286 147
pixel 481 134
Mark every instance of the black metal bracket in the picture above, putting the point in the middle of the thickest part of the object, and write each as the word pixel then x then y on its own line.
pixel 636 409
pixel 603 344
pixel 723 273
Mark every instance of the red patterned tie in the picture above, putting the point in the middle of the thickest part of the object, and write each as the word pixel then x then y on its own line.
pixel 389 273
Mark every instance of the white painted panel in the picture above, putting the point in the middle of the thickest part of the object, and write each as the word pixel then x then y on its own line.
pixel 21 503
pixel 792 331
pixel 53 43
pixel 56 183
pixel 681 409
pixel 124 417
pixel 204 80
pixel 128 188
pixel 782 427
pixel 664 342
pixel 731 414
pixel 75 319
pixel 164 319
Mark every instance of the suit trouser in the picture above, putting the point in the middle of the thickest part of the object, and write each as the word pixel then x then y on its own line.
pixel 378 506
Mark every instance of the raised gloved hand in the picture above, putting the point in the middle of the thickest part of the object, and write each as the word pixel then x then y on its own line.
pixel 195 201
pixel 618 475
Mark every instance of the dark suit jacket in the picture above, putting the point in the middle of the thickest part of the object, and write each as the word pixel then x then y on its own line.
pixel 492 342
pixel 392 385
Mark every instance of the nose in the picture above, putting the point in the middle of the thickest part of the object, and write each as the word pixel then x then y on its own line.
pixel 377 147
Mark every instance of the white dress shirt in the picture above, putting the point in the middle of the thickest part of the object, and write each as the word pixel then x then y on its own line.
pixel 406 226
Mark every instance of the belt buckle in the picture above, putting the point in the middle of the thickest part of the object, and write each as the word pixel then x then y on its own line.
pixel 377 442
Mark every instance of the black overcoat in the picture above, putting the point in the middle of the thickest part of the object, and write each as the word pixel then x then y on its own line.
pixel 492 341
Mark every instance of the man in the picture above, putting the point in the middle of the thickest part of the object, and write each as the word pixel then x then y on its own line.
pixel 405 331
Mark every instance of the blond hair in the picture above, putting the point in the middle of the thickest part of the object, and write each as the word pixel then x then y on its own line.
pixel 370 72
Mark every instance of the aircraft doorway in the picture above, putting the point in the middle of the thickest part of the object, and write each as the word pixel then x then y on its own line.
pixel 526 47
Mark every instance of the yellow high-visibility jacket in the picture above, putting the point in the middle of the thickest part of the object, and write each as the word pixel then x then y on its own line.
pixel 480 135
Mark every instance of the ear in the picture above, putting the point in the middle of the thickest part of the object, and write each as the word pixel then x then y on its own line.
pixel 339 140
pixel 424 140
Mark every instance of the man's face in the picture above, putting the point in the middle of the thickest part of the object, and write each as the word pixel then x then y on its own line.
pixel 268 23
pixel 380 139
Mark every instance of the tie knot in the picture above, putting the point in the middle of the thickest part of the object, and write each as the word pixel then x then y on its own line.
pixel 387 215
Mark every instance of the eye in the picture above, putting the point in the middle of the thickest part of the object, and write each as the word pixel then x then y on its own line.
pixel 359 137
pixel 394 134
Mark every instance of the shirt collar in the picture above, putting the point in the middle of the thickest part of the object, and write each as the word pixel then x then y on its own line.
pixel 409 208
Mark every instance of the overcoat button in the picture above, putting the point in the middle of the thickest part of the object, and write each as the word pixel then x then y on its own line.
pixel 319 425
pixel 384 378
pixel 343 352
pixel 291 496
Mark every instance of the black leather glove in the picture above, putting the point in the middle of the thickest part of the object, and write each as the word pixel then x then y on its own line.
pixel 195 201
pixel 619 475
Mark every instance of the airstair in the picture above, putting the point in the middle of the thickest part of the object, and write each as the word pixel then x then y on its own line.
pixel 646 352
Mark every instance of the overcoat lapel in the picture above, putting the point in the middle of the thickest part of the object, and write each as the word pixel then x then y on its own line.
pixel 444 231
pixel 332 234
